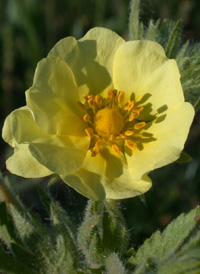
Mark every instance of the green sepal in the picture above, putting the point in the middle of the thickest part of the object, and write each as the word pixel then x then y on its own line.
pixel 54 179
pixel 184 158
pixel 102 232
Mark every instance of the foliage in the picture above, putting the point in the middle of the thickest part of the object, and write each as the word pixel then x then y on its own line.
pixel 101 245
pixel 29 245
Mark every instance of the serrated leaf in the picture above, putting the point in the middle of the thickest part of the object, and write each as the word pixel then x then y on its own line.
pixel 9 265
pixel 184 158
pixel 151 31
pixel 46 200
pixel 66 257
pixel 150 265
pixel 135 26
pixel 174 40
pixel 182 57
pixel 7 232
pixel 164 245
pixel 114 265
pixel 188 263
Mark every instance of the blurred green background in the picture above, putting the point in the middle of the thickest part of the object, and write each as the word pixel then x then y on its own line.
pixel 29 29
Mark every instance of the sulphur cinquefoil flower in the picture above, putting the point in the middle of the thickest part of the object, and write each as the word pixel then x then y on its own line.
pixel 102 113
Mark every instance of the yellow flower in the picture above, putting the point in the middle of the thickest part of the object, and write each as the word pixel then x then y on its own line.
pixel 102 113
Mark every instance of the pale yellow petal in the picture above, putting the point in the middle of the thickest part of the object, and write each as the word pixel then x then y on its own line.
pixel 170 132
pixel 61 155
pixel 90 58
pixel 106 176
pixel 53 99
pixel 142 70
pixel 87 183
pixel 20 127
pixel 23 164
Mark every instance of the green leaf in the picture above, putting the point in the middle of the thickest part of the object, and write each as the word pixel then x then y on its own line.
pixel 66 257
pixel 102 232
pixel 151 31
pixel 9 265
pixel 174 40
pixel 46 200
pixel 184 158
pixel 135 26
pixel 188 263
pixel 114 265
pixel 181 57
pixel 166 244
pixel 7 233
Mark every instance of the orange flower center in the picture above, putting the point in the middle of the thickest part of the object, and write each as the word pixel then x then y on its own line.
pixel 108 121
pixel 111 122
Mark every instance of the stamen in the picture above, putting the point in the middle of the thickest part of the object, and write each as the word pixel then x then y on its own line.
pixel 86 118
pixel 121 96
pixel 82 105
pixel 86 96
pixel 131 105
pixel 139 125
pixel 114 94
pixel 131 145
pixel 116 149
pixel 121 136
pixel 129 133
pixel 98 100
pixel 139 108
pixel 91 101
pixel 112 137
pixel 99 143
pixel 133 115
pixel 95 151
pixel 111 94
pixel 89 131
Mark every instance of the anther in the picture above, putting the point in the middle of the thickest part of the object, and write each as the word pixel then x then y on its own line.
pixel 111 94
pixel 114 94
pixel 133 115
pixel 127 105
pixel 139 108
pixel 82 105
pixel 99 143
pixel 139 125
pixel 112 137
pixel 89 131
pixel 131 145
pixel 129 133
pixel 95 151
pixel 91 102
pixel 86 118
pixel 86 96
pixel 121 96
pixel 131 105
pixel 116 149
pixel 98 100
pixel 121 136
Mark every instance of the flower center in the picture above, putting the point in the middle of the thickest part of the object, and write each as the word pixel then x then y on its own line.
pixel 111 122
pixel 108 122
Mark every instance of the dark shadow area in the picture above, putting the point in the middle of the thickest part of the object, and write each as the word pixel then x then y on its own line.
pixel 114 166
